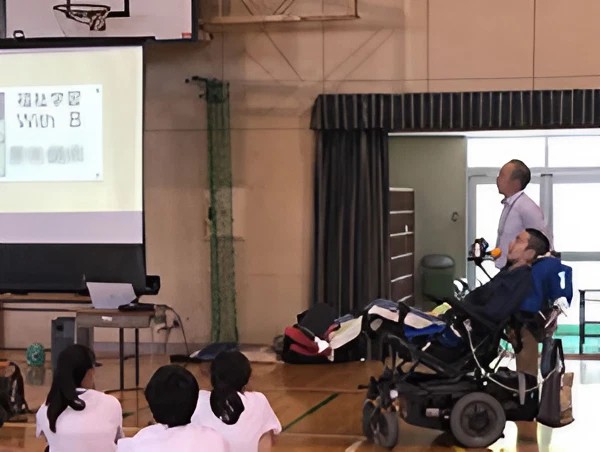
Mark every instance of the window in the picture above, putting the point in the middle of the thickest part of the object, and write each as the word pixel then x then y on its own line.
pixel 585 276
pixel 495 152
pixel 583 151
pixel 576 217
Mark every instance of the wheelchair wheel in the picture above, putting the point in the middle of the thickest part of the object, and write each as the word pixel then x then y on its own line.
pixel 380 427
pixel 368 412
pixel 477 420
pixel 4 416
pixel 388 429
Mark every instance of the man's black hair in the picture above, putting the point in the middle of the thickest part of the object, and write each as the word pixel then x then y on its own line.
pixel 521 172
pixel 538 241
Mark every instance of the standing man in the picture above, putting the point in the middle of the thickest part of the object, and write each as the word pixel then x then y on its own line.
pixel 519 212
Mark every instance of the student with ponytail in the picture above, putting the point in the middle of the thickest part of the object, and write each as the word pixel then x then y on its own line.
pixel 75 416
pixel 244 418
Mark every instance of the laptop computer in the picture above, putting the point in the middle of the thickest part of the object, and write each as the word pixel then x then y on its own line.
pixel 110 295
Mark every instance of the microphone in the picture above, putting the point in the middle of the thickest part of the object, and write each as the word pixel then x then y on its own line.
pixel 495 253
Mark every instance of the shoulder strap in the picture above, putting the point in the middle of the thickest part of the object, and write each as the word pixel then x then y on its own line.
pixel 552 356
pixel 561 355
pixel 19 390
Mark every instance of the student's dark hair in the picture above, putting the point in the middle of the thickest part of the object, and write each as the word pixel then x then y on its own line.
pixel 71 367
pixel 521 172
pixel 229 374
pixel 172 394
pixel 538 241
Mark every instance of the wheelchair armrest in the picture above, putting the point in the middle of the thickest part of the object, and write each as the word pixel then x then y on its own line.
pixel 561 305
pixel 437 300
pixel 543 323
pixel 551 322
pixel 462 308
pixel 462 283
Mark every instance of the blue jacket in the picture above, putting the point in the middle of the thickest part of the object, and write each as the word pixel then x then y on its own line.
pixel 502 296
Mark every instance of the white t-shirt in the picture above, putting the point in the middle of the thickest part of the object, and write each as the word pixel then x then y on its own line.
pixel 94 429
pixel 187 438
pixel 257 419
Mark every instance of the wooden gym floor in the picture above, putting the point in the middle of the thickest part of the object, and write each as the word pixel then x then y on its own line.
pixel 319 407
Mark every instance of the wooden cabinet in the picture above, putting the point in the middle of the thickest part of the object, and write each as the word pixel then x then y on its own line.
pixel 402 244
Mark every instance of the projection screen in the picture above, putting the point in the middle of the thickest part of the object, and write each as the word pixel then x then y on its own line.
pixel 71 182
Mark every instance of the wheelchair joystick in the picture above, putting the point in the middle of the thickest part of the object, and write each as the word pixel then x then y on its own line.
pixel 479 253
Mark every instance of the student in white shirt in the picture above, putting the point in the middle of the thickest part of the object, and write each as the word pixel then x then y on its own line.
pixel 75 416
pixel 172 393
pixel 244 418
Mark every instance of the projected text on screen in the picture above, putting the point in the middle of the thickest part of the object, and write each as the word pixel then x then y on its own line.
pixel 51 133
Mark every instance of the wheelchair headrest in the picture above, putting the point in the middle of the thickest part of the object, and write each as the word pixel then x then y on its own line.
pixel 551 280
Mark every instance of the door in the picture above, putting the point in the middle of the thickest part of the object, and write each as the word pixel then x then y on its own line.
pixel 567 197
pixel 566 183
pixel 435 167
pixel 575 224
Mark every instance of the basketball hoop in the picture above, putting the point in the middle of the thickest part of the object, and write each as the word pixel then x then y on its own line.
pixel 78 18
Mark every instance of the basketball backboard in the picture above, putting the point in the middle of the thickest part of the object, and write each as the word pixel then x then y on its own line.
pixel 159 19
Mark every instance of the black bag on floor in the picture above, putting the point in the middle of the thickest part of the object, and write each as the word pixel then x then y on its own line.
pixel 555 404
pixel 310 323
pixel 315 322
pixel 12 392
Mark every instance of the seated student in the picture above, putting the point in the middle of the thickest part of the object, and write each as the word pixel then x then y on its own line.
pixel 172 393
pixel 75 416
pixel 244 418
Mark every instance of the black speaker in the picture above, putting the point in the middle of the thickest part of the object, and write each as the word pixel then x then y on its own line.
pixel 152 285
pixel 63 335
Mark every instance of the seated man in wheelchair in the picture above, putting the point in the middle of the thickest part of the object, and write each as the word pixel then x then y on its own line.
pixel 502 298
pixel 448 376
pixel 503 294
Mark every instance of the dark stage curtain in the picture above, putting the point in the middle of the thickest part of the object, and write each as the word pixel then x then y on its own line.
pixel 351 253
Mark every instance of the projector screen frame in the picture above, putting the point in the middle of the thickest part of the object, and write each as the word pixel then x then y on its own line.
pixel 2 19
pixel 65 43
pixel 140 287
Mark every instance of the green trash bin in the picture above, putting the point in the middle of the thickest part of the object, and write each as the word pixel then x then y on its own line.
pixel 437 276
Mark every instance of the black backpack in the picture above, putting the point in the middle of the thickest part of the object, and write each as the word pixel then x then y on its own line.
pixel 315 322
pixel 12 392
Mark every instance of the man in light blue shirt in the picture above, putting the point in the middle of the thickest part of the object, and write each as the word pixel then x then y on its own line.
pixel 520 211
